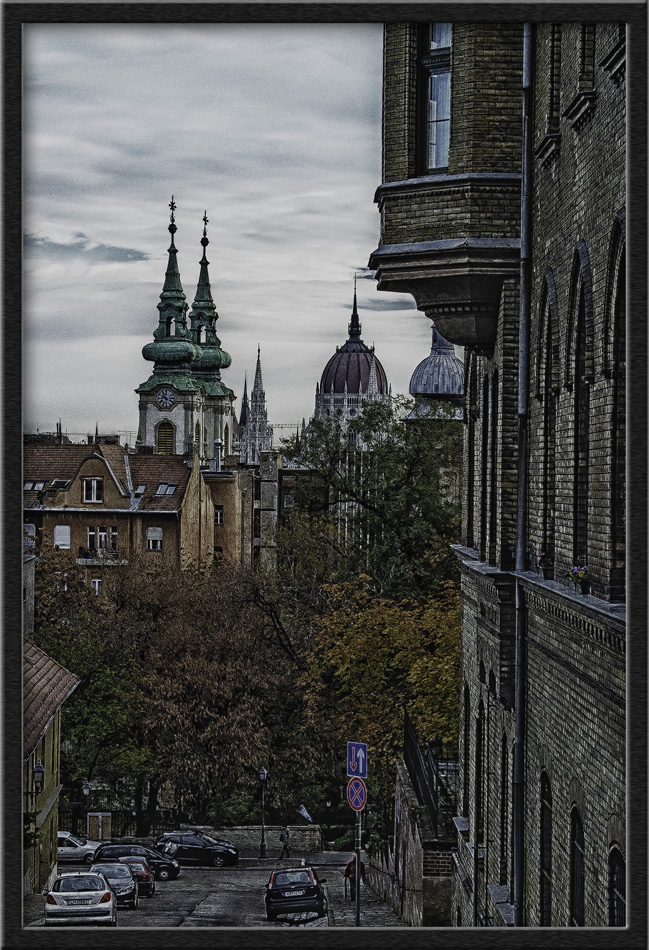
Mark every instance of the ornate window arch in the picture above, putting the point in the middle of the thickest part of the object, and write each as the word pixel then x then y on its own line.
pixel 165 437
pixel 547 391
pixel 615 370
pixel 580 328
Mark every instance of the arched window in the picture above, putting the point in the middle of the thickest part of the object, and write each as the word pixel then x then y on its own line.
pixel 577 914
pixel 547 392
pixel 165 438
pixel 579 375
pixel 615 369
pixel 197 435
pixel 616 888
pixel 493 467
pixel 504 808
pixel 479 776
pixel 465 756
pixel 545 853
pixel 484 469
pixel 471 409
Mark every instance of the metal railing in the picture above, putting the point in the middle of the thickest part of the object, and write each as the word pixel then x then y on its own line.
pixel 434 779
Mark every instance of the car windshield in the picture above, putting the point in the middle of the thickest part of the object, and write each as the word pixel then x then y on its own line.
pixel 292 877
pixel 79 841
pixel 86 882
pixel 209 840
pixel 113 870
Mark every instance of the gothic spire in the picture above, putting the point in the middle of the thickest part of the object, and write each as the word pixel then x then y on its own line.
pixel 258 385
pixel 243 417
pixel 354 326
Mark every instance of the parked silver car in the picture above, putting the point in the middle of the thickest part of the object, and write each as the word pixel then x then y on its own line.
pixel 77 850
pixel 80 897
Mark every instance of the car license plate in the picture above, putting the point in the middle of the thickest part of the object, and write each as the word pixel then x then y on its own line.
pixel 293 893
pixel 73 901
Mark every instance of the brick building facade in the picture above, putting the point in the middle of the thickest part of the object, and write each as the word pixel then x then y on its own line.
pixel 503 214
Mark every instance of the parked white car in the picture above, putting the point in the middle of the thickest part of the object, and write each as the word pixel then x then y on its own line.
pixel 80 897
pixel 73 849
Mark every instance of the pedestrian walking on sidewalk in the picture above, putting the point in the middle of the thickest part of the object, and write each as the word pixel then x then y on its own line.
pixel 350 875
pixel 285 838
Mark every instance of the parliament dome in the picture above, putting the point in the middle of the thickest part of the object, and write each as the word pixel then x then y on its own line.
pixel 350 368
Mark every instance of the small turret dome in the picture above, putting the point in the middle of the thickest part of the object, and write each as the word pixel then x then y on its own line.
pixel 441 374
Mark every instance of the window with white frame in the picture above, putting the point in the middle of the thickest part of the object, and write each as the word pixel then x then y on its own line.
pixel 102 538
pixel 154 539
pixel 92 537
pixel 435 73
pixel 93 489
pixel 96 585
pixel 62 536
pixel 218 514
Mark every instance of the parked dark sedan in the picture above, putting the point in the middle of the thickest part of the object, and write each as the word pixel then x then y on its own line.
pixel 142 873
pixel 295 891
pixel 121 880
pixel 196 847
pixel 165 867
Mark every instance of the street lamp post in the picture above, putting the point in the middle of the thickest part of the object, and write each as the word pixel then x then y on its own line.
pixel 263 774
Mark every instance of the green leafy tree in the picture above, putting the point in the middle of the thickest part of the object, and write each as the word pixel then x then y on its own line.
pixel 394 502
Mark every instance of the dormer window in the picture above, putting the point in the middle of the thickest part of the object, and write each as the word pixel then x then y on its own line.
pixel 140 489
pixel 93 489
pixel 166 488
pixel 59 483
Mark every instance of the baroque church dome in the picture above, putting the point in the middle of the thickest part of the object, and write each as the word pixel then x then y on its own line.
pixel 350 368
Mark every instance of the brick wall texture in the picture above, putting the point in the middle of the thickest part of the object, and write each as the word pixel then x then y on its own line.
pixel 575 692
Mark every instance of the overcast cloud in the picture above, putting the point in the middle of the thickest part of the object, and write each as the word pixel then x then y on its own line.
pixel 275 130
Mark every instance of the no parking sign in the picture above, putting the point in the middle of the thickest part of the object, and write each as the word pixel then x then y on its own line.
pixel 357 794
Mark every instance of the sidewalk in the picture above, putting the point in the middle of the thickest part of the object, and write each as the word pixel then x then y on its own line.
pixel 33 909
pixel 342 912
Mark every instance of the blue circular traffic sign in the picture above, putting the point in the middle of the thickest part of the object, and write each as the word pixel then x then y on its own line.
pixel 357 793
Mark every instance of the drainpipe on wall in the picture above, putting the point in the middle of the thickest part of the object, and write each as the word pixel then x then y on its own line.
pixel 518 805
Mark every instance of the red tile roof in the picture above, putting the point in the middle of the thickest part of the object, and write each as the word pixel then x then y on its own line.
pixel 46 686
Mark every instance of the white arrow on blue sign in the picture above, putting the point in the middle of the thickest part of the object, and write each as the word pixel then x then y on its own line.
pixel 357 759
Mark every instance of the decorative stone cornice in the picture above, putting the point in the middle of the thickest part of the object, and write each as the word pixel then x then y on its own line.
pixel 615 63
pixel 581 109
pixel 548 149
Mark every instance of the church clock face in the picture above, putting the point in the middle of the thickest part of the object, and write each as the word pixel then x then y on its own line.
pixel 166 398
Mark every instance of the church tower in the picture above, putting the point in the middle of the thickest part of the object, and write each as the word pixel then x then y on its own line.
pixel 184 402
pixel 255 433
pixel 217 417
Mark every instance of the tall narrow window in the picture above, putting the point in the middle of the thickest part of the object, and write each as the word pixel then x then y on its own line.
pixel 484 469
pixel 582 440
pixel 547 389
pixel 435 70
pixel 479 777
pixel 555 77
pixel 545 849
pixel 576 869
pixel 470 388
pixel 618 487
pixel 165 438
pixel 504 808
pixel 465 757
pixel 493 464
pixel 616 889
pixel 197 435
pixel 93 489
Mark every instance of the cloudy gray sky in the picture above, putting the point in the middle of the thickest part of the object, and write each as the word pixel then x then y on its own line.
pixel 275 130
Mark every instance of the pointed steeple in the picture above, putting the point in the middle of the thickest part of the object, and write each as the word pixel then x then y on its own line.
pixel 243 417
pixel 203 300
pixel 354 326
pixel 439 344
pixel 173 289
pixel 258 385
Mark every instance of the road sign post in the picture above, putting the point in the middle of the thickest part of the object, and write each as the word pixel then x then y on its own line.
pixel 357 798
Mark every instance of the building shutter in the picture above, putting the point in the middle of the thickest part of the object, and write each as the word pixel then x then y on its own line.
pixel 165 438
pixel 62 535
pixel 154 534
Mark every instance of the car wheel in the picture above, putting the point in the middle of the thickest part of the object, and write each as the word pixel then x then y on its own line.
pixel 89 858
pixel 218 861
pixel 163 875
pixel 269 915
